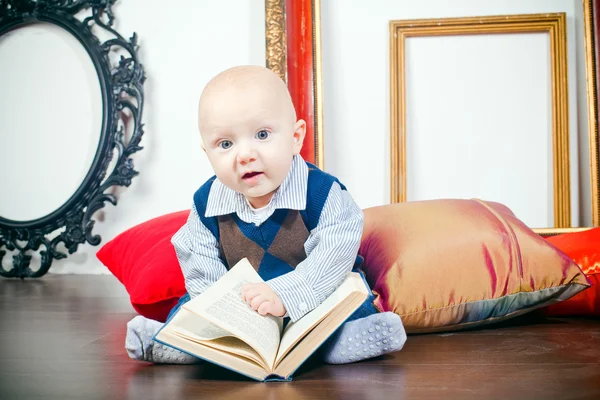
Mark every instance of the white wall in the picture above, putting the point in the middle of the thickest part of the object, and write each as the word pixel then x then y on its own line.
pixel 463 138
pixel 183 43
pixel 355 43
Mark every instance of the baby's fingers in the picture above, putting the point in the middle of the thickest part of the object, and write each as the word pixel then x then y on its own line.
pixel 257 301
pixel 265 308
pixel 245 288
pixel 249 295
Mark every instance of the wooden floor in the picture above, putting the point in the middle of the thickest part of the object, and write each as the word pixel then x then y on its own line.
pixel 62 337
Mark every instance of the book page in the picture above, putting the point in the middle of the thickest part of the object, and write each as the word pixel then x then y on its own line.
pixel 317 335
pixel 222 305
pixel 296 330
pixel 227 344
pixel 227 360
pixel 198 328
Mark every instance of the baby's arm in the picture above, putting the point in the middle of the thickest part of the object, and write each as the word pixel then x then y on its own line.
pixel 331 248
pixel 198 253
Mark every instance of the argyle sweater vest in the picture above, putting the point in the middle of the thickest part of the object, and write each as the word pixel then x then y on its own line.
pixel 277 245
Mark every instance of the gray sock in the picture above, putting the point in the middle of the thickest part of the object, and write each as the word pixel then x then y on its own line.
pixel 365 338
pixel 140 346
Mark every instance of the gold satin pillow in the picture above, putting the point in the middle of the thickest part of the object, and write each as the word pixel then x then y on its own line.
pixel 450 264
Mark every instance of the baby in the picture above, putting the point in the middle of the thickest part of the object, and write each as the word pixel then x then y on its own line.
pixel 297 225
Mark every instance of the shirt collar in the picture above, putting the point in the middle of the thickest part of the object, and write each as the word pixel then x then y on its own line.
pixel 291 194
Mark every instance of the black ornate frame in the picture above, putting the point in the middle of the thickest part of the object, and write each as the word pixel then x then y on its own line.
pixel 121 88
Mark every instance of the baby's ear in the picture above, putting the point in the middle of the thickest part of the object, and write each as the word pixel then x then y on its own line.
pixel 299 132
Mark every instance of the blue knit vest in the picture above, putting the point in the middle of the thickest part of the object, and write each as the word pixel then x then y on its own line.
pixel 277 245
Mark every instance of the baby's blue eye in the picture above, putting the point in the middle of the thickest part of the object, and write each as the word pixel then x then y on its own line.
pixel 225 144
pixel 262 135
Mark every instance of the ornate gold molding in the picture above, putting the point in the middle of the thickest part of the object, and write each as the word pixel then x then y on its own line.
pixel 275 36
pixel 590 74
pixel 553 24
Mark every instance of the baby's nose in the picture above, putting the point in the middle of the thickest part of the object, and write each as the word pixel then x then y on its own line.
pixel 246 154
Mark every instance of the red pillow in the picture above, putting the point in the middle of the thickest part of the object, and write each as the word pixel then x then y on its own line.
pixel 584 248
pixel 144 260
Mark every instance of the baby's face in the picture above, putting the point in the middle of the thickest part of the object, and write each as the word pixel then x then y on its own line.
pixel 250 141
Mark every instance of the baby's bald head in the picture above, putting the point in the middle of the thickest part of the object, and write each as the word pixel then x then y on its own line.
pixel 248 88
pixel 249 131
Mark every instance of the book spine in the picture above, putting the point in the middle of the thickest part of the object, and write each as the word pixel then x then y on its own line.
pixel 277 378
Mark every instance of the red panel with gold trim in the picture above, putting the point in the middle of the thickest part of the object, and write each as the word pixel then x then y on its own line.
pixel 300 73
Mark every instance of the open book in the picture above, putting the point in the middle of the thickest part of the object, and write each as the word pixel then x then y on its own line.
pixel 218 326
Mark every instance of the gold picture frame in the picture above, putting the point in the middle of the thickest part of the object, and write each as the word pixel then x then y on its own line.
pixel 555 25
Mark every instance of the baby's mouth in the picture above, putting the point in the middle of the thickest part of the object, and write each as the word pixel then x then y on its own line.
pixel 250 175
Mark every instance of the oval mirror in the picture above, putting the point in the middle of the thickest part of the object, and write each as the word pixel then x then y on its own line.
pixel 70 119
pixel 54 71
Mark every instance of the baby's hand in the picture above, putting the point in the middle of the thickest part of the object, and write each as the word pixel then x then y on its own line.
pixel 263 299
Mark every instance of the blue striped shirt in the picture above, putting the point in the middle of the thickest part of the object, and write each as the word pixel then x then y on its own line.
pixel 331 247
